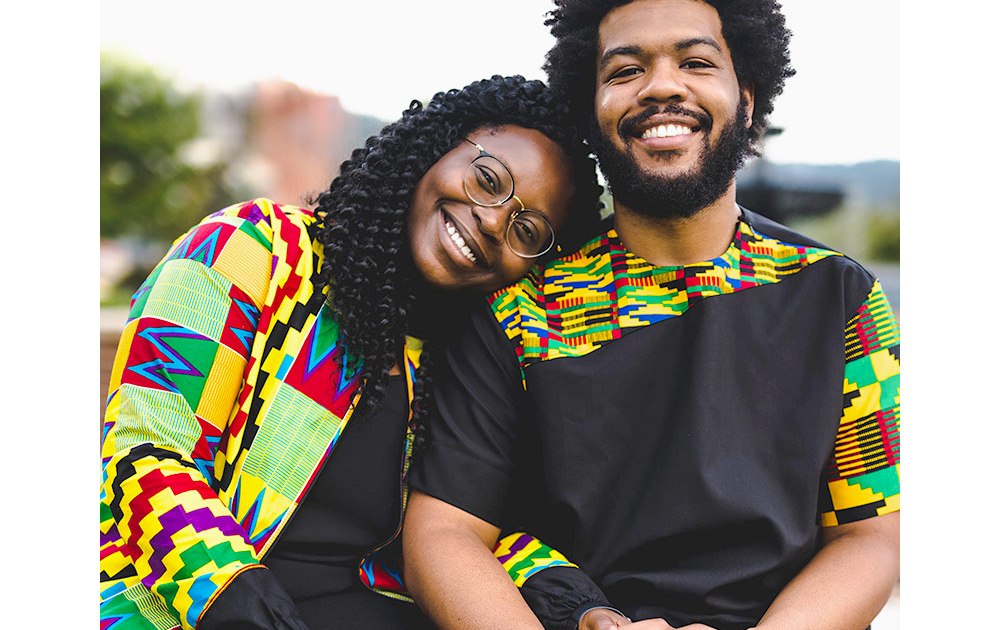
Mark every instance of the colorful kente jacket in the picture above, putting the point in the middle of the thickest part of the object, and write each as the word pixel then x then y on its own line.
pixel 228 393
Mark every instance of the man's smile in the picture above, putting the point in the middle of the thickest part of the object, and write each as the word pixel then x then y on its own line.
pixel 665 130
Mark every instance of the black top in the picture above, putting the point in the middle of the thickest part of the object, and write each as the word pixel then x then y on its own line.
pixel 352 507
pixel 679 463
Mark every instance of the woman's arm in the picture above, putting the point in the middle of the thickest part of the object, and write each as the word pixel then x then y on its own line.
pixel 178 371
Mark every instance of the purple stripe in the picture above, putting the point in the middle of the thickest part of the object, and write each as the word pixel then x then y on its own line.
pixel 255 215
pixel 521 542
pixel 178 518
pixel 111 536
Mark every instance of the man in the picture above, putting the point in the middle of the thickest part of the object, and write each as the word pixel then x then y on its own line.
pixel 700 407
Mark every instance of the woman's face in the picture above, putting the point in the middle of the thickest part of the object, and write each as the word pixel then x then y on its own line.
pixel 459 244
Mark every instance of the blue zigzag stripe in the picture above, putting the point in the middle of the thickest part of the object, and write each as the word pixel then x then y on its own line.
pixel 158 369
pixel 252 315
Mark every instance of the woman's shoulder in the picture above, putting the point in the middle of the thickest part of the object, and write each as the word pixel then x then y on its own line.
pixel 264 215
pixel 280 228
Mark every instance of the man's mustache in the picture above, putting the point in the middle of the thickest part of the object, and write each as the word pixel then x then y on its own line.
pixel 630 126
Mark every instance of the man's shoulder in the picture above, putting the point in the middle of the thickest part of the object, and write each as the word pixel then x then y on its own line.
pixel 587 266
pixel 778 231
pixel 774 232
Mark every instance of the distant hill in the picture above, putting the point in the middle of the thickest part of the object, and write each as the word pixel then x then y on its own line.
pixel 874 183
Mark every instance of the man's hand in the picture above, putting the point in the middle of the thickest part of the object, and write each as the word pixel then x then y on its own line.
pixel 607 619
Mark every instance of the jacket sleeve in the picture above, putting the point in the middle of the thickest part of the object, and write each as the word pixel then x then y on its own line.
pixel 556 590
pixel 178 371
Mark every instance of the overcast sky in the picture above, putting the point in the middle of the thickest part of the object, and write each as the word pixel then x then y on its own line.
pixel 377 55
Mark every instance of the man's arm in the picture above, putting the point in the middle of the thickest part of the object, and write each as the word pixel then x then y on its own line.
pixel 846 583
pixel 454 576
pixel 452 573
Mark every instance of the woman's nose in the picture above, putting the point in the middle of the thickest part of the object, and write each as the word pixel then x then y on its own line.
pixel 493 220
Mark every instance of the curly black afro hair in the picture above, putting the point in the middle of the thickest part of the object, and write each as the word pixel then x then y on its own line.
pixel 754 30
pixel 362 216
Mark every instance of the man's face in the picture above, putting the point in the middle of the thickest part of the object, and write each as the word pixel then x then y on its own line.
pixel 671 120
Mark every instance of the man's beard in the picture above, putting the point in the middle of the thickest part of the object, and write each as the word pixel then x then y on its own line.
pixel 682 195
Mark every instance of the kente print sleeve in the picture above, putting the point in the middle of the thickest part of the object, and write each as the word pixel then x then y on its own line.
pixel 177 373
pixel 862 478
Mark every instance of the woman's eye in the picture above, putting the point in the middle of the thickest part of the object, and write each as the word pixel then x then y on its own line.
pixel 487 180
pixel 525 231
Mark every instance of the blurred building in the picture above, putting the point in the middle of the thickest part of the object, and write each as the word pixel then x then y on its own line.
pixel 764 189
pixel 285 142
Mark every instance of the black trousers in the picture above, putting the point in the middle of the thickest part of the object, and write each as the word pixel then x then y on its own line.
pixel 361 610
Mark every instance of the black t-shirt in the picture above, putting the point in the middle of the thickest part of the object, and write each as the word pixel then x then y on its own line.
pixel 670 430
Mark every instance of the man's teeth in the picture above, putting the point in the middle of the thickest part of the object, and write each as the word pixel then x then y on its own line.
pixel 666 131
pixel 459 241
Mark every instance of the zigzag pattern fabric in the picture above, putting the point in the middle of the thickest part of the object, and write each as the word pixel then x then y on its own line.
pixel 523 555
pixel 602 292
pixel 229 390
pixel 195 484
pixel 863 476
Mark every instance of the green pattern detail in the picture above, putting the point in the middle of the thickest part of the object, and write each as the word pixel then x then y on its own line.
pixel 884 481
pixel 194 296
pixel 143 292
pixel 287 449
pixel 199 555
pixel 201 354
pixel 251 230
pixel 889 397
pixel 860 372
pixel 154 416
pixel 140 609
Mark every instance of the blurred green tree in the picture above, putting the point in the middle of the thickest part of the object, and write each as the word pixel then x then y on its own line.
pixel 148 189
pixel 883 238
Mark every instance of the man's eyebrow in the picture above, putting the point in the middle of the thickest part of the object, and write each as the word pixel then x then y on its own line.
pixel 634 51
pixel 697 41
pixel 613 52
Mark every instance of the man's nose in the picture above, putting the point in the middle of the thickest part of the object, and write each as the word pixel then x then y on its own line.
pixel 663 82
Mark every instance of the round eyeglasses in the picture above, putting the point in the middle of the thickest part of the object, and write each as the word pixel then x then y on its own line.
pixel 489 183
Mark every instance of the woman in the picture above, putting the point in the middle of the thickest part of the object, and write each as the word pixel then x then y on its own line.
pixel 274 352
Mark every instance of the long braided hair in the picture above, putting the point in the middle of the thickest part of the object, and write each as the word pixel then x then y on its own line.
pixel 362 217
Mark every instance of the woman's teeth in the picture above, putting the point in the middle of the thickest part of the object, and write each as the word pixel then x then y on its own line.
pixel 459 241
pixel 666 131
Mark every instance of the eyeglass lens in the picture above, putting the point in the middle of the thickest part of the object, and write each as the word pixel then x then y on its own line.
pixel 489 183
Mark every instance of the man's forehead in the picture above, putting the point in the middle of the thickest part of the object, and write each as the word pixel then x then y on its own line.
pixel 656 24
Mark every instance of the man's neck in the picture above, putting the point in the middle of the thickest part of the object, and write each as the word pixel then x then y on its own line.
pixel 670 242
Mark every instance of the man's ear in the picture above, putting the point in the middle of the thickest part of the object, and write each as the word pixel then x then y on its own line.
pixel 746 94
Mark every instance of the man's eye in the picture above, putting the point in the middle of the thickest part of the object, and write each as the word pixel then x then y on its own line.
pixel 696 64
pixel 625 72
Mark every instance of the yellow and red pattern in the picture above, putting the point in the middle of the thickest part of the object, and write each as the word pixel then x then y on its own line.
pixel 229 390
